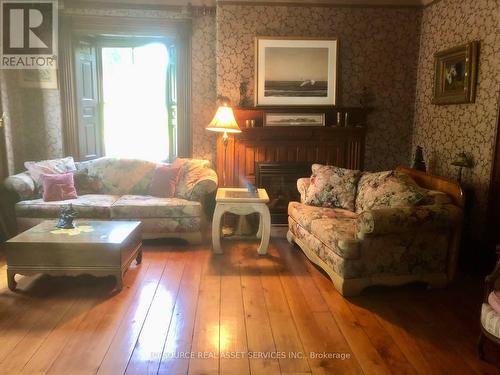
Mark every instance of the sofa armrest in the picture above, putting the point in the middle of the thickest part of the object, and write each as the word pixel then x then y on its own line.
pixel 22 184
pixel 302 185
pixel 404 219
pixel 205 184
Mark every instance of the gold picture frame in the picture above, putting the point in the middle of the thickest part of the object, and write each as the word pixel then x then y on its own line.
pixel 455 72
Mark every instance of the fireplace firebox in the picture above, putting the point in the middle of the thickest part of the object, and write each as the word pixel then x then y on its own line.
pixel 280 181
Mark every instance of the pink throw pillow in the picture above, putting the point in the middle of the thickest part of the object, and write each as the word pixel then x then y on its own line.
pixel 58 187
pixel 165 178
pixel 494 300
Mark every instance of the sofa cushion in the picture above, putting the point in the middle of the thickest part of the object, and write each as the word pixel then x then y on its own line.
pixel 94 206
pixel 118 176
pixel 332 187
pixel 145 206
pixel 490 320
pixel 339 234
pixel 387 189
pixel 305 214
pixel 37 168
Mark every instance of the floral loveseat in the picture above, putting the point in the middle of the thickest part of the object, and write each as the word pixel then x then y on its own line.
pixel 118 189
pixel 378 228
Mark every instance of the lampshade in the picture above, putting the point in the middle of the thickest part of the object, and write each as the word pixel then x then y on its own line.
pixel 224 121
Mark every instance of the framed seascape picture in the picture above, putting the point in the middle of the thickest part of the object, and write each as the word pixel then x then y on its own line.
pixel 295 71
pixel 294 119
pixel 455 72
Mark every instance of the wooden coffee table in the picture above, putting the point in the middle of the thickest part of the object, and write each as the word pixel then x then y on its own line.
pixel 97 248
pixel 240 202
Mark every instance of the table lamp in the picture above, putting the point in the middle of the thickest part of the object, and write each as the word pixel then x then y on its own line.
pixel 224 121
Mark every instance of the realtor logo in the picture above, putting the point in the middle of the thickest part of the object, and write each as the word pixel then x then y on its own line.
pixel 28 34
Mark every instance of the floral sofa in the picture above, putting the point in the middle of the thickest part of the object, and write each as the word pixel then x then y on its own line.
pixel 118 189
pixel 378 228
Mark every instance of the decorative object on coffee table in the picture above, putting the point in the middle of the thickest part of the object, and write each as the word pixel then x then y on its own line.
pixel 455 71
pixel 224 121
pixel 240 201
pixel 461 161
pixel 418 161
pixel 66 218
pixel 100 248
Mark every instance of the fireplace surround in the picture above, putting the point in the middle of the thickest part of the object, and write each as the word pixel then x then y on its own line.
pixel 280 181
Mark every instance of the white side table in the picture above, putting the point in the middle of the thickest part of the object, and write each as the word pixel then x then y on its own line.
pixel 240 202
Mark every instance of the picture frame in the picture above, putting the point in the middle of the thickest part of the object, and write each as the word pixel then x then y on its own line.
pixel 293 71
pixel 294 119
pixel 38 78
pixel 455 74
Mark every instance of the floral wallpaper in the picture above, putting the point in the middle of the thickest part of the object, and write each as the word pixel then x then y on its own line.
pixel 203 86
pixel 378 49
pixel 445 130
pixel 33 123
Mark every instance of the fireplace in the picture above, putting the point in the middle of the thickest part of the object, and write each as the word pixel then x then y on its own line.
pixel 280 181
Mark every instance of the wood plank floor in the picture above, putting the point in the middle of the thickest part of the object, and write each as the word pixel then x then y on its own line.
pixel 186 311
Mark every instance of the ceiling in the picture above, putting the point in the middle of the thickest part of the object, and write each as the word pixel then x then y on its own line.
pixel 302 2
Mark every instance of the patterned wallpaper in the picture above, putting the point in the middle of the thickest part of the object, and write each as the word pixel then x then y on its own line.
pixel 203 89
pixel 33 124
pixel 378 49
pixel 443 131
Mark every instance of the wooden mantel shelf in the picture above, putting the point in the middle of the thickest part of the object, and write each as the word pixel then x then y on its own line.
pixel 314 133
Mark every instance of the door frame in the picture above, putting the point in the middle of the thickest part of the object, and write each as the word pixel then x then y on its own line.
pixel 179 30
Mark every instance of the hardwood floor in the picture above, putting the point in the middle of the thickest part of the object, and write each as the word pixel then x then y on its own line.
pixel 185 310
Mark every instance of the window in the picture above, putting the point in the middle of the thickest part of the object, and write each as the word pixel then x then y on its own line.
pixel 125 92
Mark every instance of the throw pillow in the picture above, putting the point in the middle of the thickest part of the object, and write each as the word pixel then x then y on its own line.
pixel 164 181
pixel 494 300
pixel 58 187
pixel 387 189
pixel 37 168
pixel 332 187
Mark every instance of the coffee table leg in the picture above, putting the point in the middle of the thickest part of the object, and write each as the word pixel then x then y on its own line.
pixel 138 258
pixel 265 219
pixel 11 281
pixel 216 229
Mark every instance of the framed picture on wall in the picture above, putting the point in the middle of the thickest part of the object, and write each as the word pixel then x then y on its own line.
pixel 455 71
pixel 296 71
pixel 294 119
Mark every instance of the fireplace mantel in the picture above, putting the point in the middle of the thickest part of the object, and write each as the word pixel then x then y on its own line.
pixel 342 146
